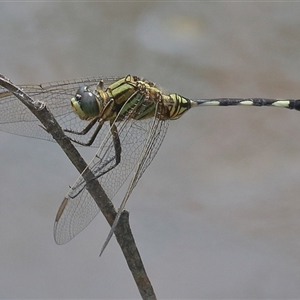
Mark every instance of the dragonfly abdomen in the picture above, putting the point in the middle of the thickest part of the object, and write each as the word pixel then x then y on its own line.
pixel 286 103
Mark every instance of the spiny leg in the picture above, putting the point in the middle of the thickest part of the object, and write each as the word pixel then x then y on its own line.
pixel 116 157
pixel 84 130
pixel 117 148
pixel 93 137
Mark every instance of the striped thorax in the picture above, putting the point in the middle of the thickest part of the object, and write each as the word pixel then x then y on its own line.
pixel 130 96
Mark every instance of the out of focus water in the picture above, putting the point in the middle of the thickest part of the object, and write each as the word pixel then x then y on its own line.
pixel 216 215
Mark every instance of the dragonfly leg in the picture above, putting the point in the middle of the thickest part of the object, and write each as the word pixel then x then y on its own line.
pixel 92 139
pixel 85 130
pixel 116 157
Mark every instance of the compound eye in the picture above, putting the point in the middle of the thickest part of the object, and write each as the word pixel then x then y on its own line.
pixel 87 102
pixel 81 92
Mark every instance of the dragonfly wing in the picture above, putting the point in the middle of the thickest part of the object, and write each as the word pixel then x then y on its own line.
pixel 133 136
pixel 74 215
pixel 78 208
pixel 16 118
pixel 155 136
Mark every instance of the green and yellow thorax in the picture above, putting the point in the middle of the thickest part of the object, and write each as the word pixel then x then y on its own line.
pixel 128 97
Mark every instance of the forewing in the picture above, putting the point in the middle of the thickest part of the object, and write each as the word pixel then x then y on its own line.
pixel 16 118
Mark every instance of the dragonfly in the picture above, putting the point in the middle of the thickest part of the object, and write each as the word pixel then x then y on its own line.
pixel 125 118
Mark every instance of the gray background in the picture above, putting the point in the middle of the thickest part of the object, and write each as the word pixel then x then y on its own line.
pixel 217 213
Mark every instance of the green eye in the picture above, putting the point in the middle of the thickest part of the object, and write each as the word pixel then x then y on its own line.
pixel 85 103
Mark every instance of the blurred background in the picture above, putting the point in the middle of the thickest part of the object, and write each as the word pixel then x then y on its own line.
pixel 217 214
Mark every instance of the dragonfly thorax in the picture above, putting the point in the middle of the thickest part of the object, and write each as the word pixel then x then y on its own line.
pixel 85 103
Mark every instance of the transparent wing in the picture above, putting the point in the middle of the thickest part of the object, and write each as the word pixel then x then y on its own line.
pixel 154 139
pixel 78 208
pixel 17 119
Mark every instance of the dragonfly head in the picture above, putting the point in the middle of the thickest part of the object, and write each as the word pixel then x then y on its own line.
pixel 85 104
